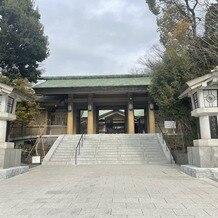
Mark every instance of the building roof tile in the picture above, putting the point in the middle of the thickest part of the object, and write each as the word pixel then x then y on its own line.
pixel 95 81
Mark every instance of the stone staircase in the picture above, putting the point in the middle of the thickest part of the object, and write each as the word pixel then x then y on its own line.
pixel 122 149
pixel 62 151
pixel 108 149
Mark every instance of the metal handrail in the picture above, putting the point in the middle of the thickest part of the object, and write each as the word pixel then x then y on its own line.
pixel 164 141
pixel 79 145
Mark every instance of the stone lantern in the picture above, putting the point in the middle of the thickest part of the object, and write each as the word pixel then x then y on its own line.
pixel 9 157
pixel 203 92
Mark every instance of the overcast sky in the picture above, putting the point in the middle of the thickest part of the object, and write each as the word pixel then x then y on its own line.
pixel 96 37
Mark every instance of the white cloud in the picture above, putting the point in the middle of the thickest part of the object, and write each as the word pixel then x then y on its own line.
pixel 96 37
pixel 109 6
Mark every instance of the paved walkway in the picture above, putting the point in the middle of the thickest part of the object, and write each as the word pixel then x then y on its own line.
pixel 108 191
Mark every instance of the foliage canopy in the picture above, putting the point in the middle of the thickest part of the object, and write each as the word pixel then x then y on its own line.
pixel 188 52
pixel 23 44
pixel 189 48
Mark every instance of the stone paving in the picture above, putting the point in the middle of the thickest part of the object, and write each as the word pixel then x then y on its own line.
pixel 108 191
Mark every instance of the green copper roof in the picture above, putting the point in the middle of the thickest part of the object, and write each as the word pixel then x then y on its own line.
pixel 95 81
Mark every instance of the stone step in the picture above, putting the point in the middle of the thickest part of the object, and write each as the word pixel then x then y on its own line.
pixel 153 150
pixel 101 150
pixel 121 160
pixel 68 145
pixel 61 159
pixel 112 156
pixel 63 156
pixel 120 146
pixel 67 148
pixel 119 156
pixel 109 162
pixel 114 153
pixel 119 142
pixel 112 160
pixel 156 161
pixel 60 163
pixel 117 145
pixel 110 149
pixel 63 149
pixel 154 155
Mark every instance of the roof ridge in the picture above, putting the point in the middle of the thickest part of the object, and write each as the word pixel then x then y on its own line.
pixel 96 76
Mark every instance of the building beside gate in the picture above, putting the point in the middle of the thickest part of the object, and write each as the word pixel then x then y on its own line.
pixel 95 104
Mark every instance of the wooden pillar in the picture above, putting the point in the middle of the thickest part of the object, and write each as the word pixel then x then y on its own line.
pixel 151 119
pixel 126 121
pixel 131 120
pixel 95 120
pixel 146 120
pixel 77 121
pixel 70 117
pixel 70 126
pixel 90 127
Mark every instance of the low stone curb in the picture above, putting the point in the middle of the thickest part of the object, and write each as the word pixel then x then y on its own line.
pixel 198 172
pixel 13 171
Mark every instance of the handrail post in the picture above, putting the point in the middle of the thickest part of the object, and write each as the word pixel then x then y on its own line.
pixel 78 147
pixel 76 157
pixel 82 140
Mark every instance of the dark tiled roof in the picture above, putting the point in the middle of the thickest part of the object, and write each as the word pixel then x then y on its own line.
pixel 95 81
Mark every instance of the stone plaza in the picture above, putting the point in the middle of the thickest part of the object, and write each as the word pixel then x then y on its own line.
pixel 108 191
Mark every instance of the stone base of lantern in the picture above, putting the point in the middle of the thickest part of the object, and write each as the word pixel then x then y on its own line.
pixel 203 161
pixel 13 171
pixel 203 156
pixel 205 142
pixel 4 145
pixel 9 157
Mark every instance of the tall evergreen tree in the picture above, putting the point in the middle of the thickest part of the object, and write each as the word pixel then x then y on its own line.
pixel 23 44
pixel 190 42
pixel 189 25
